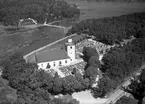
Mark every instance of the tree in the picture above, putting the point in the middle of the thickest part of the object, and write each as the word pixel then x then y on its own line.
pixel 43 80
pixel 142 76
pixel 91 72
pixel 43 93
pixel 82 83
pixel 126 100
pixel 57 85
pixel 88 52
pixel 104 86
pixel 94 61
pixel 140 33
pixel 137 88
pixel 74 101
pixel 8 95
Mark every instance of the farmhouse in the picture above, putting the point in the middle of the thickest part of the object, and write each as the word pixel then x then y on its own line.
pixel 56 58
pixel 28 21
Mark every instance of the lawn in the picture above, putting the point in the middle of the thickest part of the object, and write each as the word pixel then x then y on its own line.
pixel 26 40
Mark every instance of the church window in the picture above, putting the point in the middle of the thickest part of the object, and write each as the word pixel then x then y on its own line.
pixel 71 47
pixel 65 61
pixel 54 64
pixel 60 63
pixel 48 65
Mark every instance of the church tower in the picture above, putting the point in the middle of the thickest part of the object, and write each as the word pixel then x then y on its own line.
pixel 71 49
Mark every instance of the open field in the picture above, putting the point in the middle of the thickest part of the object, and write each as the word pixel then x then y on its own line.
pixel 25 40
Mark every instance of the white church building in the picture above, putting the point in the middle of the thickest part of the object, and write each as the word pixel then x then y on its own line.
pixel 56 58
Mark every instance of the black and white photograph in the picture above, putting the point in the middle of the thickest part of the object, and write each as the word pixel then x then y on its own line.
pixel 72 51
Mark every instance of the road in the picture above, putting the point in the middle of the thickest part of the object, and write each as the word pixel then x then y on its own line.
pixel 119 93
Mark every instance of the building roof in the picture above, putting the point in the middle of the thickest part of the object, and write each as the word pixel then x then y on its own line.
pixel 47 42
pixel 53 55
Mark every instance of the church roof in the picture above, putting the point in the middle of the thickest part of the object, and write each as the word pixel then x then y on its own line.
pixel 53 55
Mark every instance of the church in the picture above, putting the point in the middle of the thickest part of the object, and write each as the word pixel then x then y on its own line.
pixel 56 58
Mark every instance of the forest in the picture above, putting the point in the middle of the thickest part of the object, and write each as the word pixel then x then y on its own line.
pixel 119 62
pixel 13 10
pixel 111 30
pixel 126 100
pixel 136 89
pixel 36 86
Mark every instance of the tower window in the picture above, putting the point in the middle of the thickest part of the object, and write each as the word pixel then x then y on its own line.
pixel 59 63
pixel 54 64
pixel 71 47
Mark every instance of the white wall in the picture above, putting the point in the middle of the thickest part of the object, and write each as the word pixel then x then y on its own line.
pixel 71 52
pixel 43 65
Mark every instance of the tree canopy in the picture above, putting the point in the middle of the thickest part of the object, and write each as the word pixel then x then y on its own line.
pixel 111 30
pixel 141 33
pixel 137 87
pixel 88 52
pixel 91 56
pixel 121 62
pixel 36 86
pixel 13 10
pixel 126 100
pixel 104 86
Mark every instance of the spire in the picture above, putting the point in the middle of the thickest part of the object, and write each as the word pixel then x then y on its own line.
pixel 70 42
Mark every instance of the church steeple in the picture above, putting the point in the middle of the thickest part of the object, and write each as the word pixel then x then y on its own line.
pixel 71 49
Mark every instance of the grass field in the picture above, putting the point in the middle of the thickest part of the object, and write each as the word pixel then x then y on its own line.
pixel 26 40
